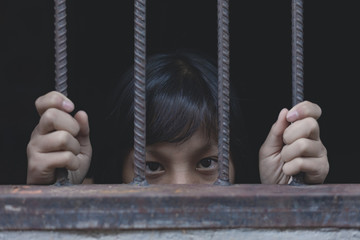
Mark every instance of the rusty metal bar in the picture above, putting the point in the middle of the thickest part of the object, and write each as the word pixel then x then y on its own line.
pixel 61 174
pixel 297 65
pixel 297 52
pixel 127 206
pixel 140 88
pixel 223 92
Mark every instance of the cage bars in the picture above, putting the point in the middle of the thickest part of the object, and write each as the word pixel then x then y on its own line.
pixel 140 82
pixel 61 174
pixel 297 65
pixel 139 89
pixel 223 92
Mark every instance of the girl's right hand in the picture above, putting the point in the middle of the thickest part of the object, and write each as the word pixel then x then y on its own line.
pixel 58 141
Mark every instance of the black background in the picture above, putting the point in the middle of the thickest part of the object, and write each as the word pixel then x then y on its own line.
pixel 100 48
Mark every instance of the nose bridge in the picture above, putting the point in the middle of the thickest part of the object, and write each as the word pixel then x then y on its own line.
pixel 182 176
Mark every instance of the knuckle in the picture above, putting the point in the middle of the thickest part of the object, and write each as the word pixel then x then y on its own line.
pixel 320 110
pixel 327 168
pixel 68 157
pixel 63 138
pixel 76 128
pixel 76 165
pixel 29 149
pixel 37 102
pixel 32 152
pixel 312 124
pixel 54 98
pixel 70 161
pixel 299 163
pixel 325 164
pixel 305 108
pixel 309 107
pixel 317 108
pixel 293 167
pixel 302 145
pixel 49 115
pixel 287 169
pixel 287 136
pixel 324 151
pixel 51 99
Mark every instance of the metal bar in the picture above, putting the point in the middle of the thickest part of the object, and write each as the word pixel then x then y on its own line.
pixel 140 92
pixel 127 206
pixel 297 66
pixel 297 52
pixel 61 174
pixel 223 92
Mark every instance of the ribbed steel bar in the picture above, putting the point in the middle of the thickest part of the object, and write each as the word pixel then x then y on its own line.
pixel 139 97
pixel 297 65
pixel 60 69
pixel 223 92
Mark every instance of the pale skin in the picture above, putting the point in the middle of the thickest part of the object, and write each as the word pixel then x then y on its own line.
pixel 193 161
pixel 61 140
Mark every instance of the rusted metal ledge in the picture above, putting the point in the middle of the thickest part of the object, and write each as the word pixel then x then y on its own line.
pixel 179 207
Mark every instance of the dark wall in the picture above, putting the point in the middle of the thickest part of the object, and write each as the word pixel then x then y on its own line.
pixel 100 48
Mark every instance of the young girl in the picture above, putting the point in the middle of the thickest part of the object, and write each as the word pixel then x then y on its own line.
pixel 181 118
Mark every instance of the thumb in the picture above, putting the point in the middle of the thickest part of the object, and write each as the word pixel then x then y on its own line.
pixel 274 141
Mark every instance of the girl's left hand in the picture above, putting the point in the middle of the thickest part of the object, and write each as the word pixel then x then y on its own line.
pixel 293 145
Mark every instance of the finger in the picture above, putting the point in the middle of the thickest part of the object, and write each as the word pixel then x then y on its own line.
pixel 54 119
pixel 57 141
pixel 303 148
pixel 274 141
pixel 83 136
pixel 315 169
pixel 84 131
pixel 304 128
pixel 85 146
pixel 53 100
pixel 303 110
pixel 62 159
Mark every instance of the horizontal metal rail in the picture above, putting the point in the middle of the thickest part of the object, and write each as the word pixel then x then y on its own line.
pixel 104 207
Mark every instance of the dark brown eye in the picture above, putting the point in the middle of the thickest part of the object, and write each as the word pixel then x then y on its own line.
pixel 154 167
pixel 207 163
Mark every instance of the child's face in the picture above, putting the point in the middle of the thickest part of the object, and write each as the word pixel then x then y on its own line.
pixel 191 162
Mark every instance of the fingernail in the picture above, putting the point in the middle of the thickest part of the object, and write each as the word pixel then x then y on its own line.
pixel 292 116
pixel 67 105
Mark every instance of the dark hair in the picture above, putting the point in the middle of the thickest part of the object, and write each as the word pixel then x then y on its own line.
pixel 181 96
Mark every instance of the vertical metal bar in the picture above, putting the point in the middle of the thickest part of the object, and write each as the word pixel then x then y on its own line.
pixel 60 47
pixel 223 92
pixel 297 65
pixel 140 88
pixel 61 174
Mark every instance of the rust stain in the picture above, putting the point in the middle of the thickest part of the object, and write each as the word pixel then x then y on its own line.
pixel 30 191
pixel 25 190
pixel 15 190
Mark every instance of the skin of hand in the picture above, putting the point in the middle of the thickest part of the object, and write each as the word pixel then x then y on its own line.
pixel 58 141
pixel 293 145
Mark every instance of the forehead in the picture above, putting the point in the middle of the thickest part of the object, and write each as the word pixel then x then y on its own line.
pixel 198 142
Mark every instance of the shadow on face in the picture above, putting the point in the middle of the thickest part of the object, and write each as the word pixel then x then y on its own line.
pixel 194 161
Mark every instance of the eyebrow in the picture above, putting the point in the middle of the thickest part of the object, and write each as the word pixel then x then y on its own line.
pixel 202 150
pixel 209 146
